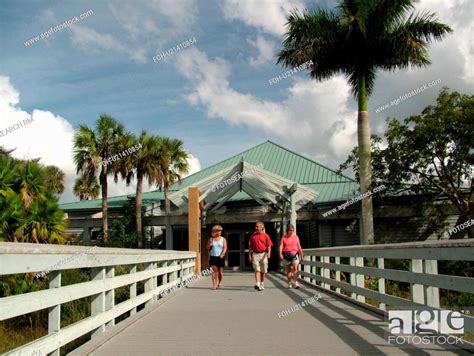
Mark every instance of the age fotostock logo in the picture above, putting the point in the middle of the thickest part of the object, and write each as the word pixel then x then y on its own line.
pixel 422 327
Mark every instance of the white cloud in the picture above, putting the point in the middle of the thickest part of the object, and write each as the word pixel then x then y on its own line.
pixel 182 14
pixel 194 165
pixel 266 51
pixel 267 16
pixel 49 137
pixel 459 45
pixel 313 114
pixel 150 25
pixel 91 41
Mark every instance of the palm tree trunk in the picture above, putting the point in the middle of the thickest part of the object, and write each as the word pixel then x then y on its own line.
pixel 365 170
pixel 138 210
pixel 169 228
pixel 105 206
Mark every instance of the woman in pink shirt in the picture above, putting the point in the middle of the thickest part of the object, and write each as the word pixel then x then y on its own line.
pixel 289 249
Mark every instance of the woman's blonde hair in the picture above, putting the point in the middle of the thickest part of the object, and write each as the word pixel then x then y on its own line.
pixel 217 227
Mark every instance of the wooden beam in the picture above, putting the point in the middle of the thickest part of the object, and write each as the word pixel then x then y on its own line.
pixel 194 225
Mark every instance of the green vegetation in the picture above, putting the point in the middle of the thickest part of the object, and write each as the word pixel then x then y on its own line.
pixel 92 146
pixel 357 40
pixel 160 160
pixel 29 210
pixel 86 188
pixel 430 155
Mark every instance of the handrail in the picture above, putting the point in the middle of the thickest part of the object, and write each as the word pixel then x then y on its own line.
pixel 323 267
pixel 174 267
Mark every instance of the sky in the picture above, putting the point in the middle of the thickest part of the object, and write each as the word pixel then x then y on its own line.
pixel 217 94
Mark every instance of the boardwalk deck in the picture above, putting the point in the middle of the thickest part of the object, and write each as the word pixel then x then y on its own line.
pixel 238 320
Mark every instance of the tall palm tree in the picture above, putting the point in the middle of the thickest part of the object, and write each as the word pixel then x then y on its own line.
pixel 86 188
pixel 359 38
pixel 173 165
pixel 91 148
pixel 144 164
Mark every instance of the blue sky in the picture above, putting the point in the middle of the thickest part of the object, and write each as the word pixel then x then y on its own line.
pixel 214 95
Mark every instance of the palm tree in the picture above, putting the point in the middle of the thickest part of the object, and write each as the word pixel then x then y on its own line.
pixel 358 39
pixel 30 183
pixel 7 174
pixel 173 165
pixel 86 188
pixel 45 223
pixel 92 148
pixel 12 216
pixel 54 178
pixel 144 164
pixel 28 207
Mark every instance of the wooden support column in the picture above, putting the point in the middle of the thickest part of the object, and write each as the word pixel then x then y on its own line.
pixel 194 225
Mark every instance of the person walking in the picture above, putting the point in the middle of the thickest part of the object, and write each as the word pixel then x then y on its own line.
pixel 260 246
pixel 290 248
pixel 217 247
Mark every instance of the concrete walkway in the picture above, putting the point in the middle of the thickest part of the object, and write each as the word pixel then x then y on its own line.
pixel 238 320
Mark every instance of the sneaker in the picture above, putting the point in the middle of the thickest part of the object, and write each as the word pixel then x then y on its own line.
pixel 257 287
pixel 262 287
pixel 290 285
pixel 297 286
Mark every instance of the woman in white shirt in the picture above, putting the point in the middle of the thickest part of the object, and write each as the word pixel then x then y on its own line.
pixel 217 247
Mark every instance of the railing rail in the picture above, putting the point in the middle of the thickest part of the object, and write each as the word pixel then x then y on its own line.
pixel 322 266
pixel 173 266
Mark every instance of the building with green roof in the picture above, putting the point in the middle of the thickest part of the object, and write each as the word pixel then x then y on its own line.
pixel 268 183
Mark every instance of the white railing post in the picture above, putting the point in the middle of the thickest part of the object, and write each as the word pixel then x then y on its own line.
pixel 417 295
pixel 133 289
pixel 98 300
pixel 181 271
pixel 360 278
pixel 54 313
pixel 338 273
pixel 148 282
pixel 173 275
pixel 431 293
pixel 155 279
pixel 322 271
pixel 110 296
pixel 352 262
pixel 164 277
pixel 307 269
pixel 381 281
pixel 326 273
pixel 313 268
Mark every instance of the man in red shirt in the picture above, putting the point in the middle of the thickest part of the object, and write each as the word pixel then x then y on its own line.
pixel 260 247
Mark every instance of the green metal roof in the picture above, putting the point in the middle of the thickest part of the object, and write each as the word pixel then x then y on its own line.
pixel 270 156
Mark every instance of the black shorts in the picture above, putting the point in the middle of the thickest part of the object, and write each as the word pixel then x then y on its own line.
pixel 216 261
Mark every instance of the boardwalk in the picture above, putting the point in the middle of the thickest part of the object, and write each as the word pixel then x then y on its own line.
pixel 238 320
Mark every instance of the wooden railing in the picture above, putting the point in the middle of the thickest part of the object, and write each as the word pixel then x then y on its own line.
pixel 365 264
pixel 173 266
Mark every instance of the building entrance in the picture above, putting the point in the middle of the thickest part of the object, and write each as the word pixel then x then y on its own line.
pixel 237 250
